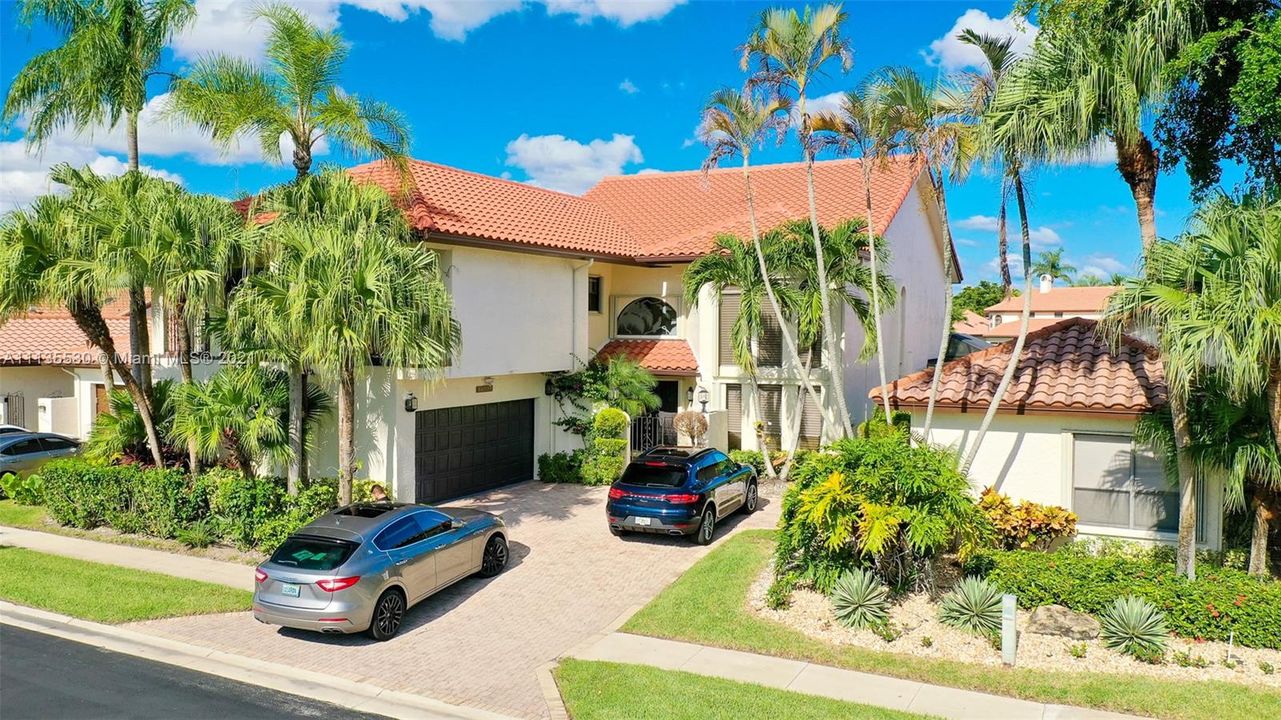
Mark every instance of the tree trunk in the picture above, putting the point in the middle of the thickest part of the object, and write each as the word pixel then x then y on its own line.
pixel 1273 393
pixel 836 363
pixel 346 434
pixel 184 368
pixel 1185 562
pixel 760 423
pixel 1003 250
pixel 1263 515
pixel 140 335
pixel 302 159
pixel 797 418
pixel 940 199
pixel 108 377
pixel 89 319
pixel 876 291
pixel 297 463
pixel 1139 165
pixel 131 138
pixel 1016 353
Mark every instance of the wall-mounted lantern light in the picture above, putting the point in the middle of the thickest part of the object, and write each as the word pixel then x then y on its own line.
pixel 411 402
pixel 689 396
pixel 703 397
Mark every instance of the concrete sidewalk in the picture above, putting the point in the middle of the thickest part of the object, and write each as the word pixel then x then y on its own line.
pixel 848 685
pixel 184 566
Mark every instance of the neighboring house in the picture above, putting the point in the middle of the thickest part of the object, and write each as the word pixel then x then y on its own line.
pixel 1064 433
pixel 543 281
pixel 1050 304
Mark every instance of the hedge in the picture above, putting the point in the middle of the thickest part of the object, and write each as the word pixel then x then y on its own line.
pixel 1219 603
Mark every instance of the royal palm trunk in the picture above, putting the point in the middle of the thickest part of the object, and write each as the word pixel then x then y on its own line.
pixel 184 368
pixel 346 433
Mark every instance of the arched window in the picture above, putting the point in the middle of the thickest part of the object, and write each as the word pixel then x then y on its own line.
pixel 647 316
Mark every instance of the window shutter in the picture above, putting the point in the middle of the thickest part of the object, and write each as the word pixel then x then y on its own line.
pixel 734 413
pixel 772 412
pixel 769 346
pixel 811 422
pixel 730 303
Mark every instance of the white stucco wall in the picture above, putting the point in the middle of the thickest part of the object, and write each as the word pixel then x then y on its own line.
pixel 34 383
pixel 1029 457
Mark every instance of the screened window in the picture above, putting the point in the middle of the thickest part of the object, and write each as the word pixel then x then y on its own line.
pixel 734 415
pixel 772 413
pixel 1120 484
pixel 769 346
pixel 647 316
pixel 811 422
pixel 730 303
pixel 593 293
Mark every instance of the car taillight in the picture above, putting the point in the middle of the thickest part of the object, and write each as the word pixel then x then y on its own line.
pixel 337 584
pixel 681 498
pixel 616 494
pixel 259 575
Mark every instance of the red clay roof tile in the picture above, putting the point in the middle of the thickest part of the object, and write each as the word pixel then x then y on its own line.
pixel 1060 299
pixel 661 357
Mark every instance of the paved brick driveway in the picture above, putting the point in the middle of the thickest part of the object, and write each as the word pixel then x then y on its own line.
pixel 480 642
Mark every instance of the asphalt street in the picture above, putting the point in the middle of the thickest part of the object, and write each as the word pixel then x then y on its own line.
pixel 45 677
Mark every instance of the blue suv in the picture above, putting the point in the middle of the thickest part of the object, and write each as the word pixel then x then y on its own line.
pixel 677 491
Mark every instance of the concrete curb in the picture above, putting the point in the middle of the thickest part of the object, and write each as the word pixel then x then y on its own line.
pixel 556 709
pixel 361 696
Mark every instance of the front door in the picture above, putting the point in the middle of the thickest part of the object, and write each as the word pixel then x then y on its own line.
pixel 668 392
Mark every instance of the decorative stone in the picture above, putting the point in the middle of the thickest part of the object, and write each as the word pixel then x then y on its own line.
pixel 1058 620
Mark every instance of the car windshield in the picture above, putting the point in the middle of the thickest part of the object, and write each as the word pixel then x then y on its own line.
pixel 313 553
pixel 655 474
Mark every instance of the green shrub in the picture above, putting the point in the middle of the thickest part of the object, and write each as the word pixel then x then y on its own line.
pixel 1027 525
pixel 24 491
pixel 610 423
pixel 561 467
pixel 605 462
pixel 779 595
pixel 1078 650
pixel 927 641
pixel 1266 668
pixel 1134 626
pixel 900 425
pixel 860 600
pixel 198 535
pixel 239 505
pixel 973 605
pixel 166 500
pixel 878 500
pixel 757 461
pixel 1219 603
pixel 271 532
pixel 84 494
pixel 1183 658
pixel 320 495
pixel 887 631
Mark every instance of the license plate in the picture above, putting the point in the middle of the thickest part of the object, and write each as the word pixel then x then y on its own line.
pixel 290 589
pixel 642 521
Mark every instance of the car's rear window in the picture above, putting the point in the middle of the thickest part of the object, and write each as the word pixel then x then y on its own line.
pixel 313 553
pixel 661 475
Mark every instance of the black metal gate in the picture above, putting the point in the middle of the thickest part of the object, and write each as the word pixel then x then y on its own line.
pixel 14 409
pixel 652 430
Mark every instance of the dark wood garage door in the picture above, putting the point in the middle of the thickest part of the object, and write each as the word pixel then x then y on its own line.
pixel 462 450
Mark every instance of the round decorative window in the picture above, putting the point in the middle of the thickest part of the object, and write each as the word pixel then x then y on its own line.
pixel 647 316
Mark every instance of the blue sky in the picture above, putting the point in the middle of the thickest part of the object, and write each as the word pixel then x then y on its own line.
pixel 562 92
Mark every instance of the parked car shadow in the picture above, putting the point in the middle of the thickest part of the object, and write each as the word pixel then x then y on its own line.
pixel 534 500
pixel 723 528
pixel 427 610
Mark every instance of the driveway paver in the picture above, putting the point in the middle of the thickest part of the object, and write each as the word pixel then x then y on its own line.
pixel 481 642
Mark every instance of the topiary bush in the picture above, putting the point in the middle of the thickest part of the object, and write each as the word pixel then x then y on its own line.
pixel 1219 603
pixel 973 605
pixel 1134 626
pixel 561 467
pixel 606 448
pixel 860 600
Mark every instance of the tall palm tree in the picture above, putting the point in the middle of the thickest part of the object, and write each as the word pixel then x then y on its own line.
pixel 296 94
pixel 921 119
pixel 735 123
pixel 732 265
pixel 1051 262
pixel 46 257
pixel 97 76
pixel 789 49
pixel 1213 298
pixel 354 284
pixel 1091 82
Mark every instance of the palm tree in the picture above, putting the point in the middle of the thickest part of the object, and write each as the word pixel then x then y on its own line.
pixel 1090 83
pixel 733 266
pixel 297 94
pixel 352 282
pixel 47 257
pixel 242 411
pixel 121 433
pixel 789 49
pixel 1051 262
pixel 1213 298
pixel 630 387
pixel 97 75
pixel 919 118
pixel 1089 280
pixel 859 125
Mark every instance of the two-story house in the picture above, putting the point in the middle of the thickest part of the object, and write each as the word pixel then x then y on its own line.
pixel 542 281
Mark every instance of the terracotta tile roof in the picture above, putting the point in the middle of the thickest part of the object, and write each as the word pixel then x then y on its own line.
pixel 1060 299
pixel 679 214
pixel 1065 368
pixel 1011 329
pixel 971 324
pixel 661 357
pixel 465 204
pixel 55 340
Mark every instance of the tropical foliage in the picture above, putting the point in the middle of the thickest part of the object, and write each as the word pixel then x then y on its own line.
pixel 860 599
pixel 973 605
pixel 606 454
pixel 977 298
pixel 1026 525
pixel 1133 626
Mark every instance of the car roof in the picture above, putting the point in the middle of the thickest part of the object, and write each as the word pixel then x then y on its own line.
pixel 8 439
pixel 360 520
pixel 677 455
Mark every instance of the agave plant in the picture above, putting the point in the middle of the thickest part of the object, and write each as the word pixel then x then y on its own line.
pixel 1134 626
pixel 860 599
pixel 974 605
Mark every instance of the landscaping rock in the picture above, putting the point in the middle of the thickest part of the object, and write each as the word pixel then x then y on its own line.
pixel 1058 620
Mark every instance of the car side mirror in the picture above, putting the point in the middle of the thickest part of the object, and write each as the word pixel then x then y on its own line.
pixel 455 523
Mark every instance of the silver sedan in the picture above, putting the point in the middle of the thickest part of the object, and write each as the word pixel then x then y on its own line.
pixel 361 567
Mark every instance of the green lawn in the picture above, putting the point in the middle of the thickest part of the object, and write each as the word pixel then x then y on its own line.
pixel 23 516
pixel 607 691
pixel 106 593
pixel 708 605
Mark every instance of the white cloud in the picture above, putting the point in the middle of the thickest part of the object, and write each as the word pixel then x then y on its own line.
pixel 978 222
pixel 652 171
pixel 830 102
pixel 951 54
pixel 628 87
pixel 623 12
pixel 228 27
pixel 25 176
pixel 1101 152
pixel 453 19
pixel 559 163
pixel 965 241
pixel 1042 236
pixel 1103 266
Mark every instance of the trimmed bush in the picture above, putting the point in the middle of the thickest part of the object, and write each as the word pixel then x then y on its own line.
pixel 610 422
pixel 239 505
pixel 561 467
pixel 83 494
pixel 164 501
pixel 860 600
pixel 1218 603
pixel 974 605
pixel 606 448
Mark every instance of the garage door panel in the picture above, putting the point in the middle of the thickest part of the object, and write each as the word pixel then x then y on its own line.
pixel 463 450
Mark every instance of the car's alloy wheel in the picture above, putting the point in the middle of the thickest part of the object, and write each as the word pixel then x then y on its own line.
pixel 495 558
pixel 752 498
pixel 708 527
pixel 388 614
